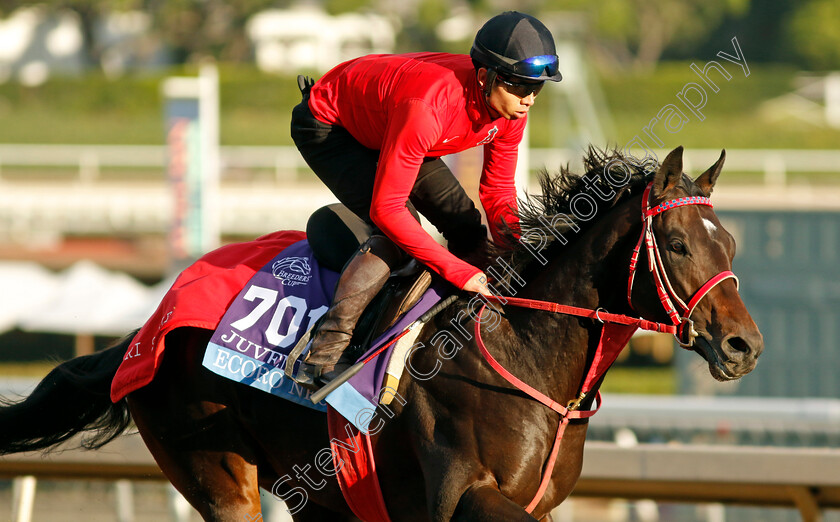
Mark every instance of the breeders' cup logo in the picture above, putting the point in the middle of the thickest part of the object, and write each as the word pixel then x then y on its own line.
pixel 292 271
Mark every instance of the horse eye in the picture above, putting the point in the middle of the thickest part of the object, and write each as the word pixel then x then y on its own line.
pixel 677 246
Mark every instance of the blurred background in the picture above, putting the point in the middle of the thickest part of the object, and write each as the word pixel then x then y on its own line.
pixel 98 184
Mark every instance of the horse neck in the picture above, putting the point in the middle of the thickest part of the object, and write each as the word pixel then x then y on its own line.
pixel 590 273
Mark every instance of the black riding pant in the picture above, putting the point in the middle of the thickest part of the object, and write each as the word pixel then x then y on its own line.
pixel 348 169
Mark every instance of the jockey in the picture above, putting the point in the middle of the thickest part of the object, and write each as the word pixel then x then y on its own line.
pixel 373 130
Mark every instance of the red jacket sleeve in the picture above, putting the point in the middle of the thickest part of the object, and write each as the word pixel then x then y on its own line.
pixel 411 132
pixel 497 189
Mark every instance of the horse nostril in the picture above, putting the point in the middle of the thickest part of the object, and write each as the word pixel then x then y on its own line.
pixel 737 349
pixel 738 344
pixel 742 351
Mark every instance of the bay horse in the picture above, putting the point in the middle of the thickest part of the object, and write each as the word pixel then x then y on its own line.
pixel 464 444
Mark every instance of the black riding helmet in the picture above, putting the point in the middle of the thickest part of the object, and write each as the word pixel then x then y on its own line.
pixel 516 45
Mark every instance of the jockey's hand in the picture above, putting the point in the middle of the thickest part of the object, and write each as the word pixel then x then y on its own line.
pixel 477 284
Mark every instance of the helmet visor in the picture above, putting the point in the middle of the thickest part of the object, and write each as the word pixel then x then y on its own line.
pixel 536 66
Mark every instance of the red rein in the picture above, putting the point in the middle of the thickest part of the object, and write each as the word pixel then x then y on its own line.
pixel 682 327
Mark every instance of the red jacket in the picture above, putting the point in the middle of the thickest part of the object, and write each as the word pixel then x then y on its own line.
pixel 413 106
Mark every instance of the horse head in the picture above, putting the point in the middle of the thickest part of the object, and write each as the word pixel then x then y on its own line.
pixel 690 260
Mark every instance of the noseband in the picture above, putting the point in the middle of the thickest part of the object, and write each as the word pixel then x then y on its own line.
pixel 681 319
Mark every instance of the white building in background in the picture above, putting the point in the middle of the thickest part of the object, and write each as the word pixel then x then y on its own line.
pixel 306 38
pixel 36 42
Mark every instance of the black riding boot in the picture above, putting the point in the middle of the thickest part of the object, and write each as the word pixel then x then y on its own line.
pixel 362 278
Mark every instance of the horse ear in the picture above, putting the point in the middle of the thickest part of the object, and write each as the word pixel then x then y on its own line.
pixel 669 173
pixel 706 181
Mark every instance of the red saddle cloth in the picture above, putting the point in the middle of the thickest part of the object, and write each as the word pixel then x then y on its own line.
pixel 199 298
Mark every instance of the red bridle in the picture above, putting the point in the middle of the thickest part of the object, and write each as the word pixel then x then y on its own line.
pixel 681 326
pixel 685 333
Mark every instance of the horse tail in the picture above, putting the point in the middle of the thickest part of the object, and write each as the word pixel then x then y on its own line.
pixel 74 397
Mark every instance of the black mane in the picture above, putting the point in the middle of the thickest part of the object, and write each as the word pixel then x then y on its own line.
pixel 550 215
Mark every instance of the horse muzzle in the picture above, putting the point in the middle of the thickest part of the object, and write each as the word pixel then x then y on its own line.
pixel 732 357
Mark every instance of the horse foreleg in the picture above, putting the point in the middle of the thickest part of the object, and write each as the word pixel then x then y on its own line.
pixel 485 503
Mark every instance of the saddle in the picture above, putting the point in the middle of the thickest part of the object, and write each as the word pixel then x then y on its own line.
pixel 334 234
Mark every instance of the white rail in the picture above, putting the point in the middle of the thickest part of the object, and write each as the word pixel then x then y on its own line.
pixel 804 478
pixel 260 193
pixel 88 160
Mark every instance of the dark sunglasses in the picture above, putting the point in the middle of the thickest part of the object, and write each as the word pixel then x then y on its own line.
pixel 521 90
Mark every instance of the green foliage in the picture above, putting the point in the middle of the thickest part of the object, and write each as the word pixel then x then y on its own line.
pixel 91 94
pixel 815 35
pixel 616 20
pixel 644 93
pixel 197 28
pixel 335 7
pixel 256 107
pixel 431 12
pixel 648 381
pixel 7 6
pixel 640 30
pixel 419 32
pixel 734 116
